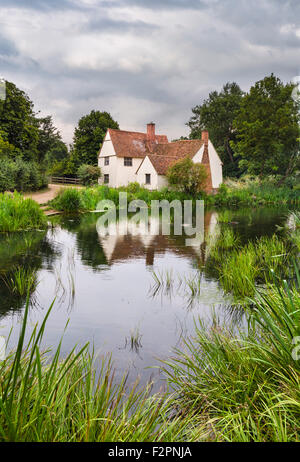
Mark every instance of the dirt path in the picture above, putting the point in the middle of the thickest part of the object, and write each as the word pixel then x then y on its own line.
pixel 45 195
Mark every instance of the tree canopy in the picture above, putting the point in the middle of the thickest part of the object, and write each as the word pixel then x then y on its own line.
pixel 22 132
pixel 216 114
pixel 89 135
pixel 267 128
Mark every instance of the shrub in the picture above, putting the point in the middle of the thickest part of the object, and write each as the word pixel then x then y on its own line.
pixel 187 176
pixel 88 174
pixel 21 176
pixel 69 200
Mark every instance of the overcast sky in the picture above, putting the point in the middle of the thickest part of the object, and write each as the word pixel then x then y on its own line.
pixel 142 60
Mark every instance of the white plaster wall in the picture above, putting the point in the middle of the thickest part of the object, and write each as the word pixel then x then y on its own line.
pixel 111 169
pixel 162 181
pixel 107 150
pixel 147 167
pixel 198 156
pixel 125 174
pixel 215 166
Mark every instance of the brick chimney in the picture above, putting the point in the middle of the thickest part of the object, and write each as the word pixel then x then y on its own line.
pixel 204 136
pixel 151 132
pixel 206 162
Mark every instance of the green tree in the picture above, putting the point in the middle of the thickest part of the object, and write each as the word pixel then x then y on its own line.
pixel 30 136
pixel 89 135
pixel 49 139
pixel 7 150
pixel 267 129
pixel 187 176
pixel 88 174
pixel 216 114
pixel 17 122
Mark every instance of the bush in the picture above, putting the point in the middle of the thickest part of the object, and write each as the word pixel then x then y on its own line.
pixel 88 174
pixel 21 176
pixel 69 200
pixel 187 176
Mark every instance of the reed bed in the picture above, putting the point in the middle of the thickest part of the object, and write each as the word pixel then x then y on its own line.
pixel 225 384
pixel 241 268
pixel 238 193
pixel 70 399
pixel 244 385
pixel 19 214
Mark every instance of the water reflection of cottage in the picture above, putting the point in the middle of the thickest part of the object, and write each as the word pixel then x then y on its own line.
pixel 137 244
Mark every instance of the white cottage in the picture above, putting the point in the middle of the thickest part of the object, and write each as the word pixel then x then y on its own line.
pixel 127 157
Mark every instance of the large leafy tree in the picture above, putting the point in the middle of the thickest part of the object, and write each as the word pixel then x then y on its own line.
pixel 89 135
pixel 17 122
pixel 267 129
pixel 49 139
pixel 216 114
pixel 22 132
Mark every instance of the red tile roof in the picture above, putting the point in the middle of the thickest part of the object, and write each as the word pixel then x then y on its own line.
pixel 161 163
pixel 133 144
pixel 182 148
pixel 161 153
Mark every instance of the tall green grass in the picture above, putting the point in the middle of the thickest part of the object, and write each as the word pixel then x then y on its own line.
pixel 236 193
pixel 244 385
pixel 70 399
pixel 253 191
pixel 72 200
pixel 19 214
pixel 226 385
pixel 21 280
pixel 241 268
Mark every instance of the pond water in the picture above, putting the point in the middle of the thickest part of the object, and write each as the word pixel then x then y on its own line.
pixel 106 289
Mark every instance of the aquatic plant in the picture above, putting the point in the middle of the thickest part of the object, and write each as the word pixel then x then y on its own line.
pixel 245 385
pixel 51 399
pixel 21 280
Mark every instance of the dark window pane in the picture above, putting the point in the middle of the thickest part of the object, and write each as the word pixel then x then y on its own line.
pixel 128 161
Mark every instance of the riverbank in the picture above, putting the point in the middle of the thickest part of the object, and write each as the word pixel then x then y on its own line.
pixel 235 194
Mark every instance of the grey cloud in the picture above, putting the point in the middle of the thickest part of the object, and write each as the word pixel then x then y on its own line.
pixel 7 47
pixel 105 23
pixel 40 5
pixel 236 41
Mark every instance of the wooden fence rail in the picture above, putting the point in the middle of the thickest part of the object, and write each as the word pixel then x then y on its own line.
pixel 64 180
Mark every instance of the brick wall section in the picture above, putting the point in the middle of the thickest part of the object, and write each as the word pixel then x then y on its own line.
pixel 205 161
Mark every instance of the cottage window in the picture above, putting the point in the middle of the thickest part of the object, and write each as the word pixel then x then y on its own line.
pixel 148 178
pixel 106 178
pixel 128 161
pixel 106 160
